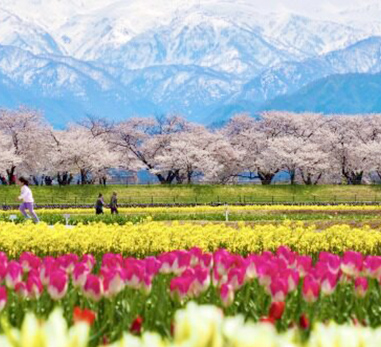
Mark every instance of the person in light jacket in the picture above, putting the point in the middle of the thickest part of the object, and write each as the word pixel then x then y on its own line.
pixel 27 199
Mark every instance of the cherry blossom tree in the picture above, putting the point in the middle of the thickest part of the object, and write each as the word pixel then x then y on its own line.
pixel 78 151
pixel 30 138
pixel 141 141
pixel 348 134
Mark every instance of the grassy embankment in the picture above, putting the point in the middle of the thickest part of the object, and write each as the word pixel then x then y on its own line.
pixel 147 194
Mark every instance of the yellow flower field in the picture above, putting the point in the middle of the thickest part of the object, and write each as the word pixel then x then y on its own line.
pixel 155 237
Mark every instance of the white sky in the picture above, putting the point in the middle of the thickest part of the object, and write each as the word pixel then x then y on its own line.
pixel 304 6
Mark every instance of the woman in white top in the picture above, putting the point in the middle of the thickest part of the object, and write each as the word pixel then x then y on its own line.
pixel 27 197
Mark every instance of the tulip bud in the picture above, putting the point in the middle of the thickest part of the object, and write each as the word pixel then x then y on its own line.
pixel 277 309
pixel 136 326
pixel 14 273
pixel 85 315
pixel 227 294
pixel 79 275
pixel 93 287
pixel 278 289
pixel 361 286
pixel 311 289
pixel 58 283
pixel 304 323
pixel 34 285
pixel 113 282
pixel 20 289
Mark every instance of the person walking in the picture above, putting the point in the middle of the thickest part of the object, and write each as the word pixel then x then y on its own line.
pixel 99 204
pixel 114 203
pixel 27 197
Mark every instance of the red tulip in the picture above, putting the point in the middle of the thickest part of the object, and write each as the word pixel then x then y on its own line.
pixel 84 315
pixel 276 310
pixel 304 323
pixel 105 340
pixel 267 320
pixel 136 326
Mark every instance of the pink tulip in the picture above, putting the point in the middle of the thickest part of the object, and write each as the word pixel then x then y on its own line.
pixel 361 286
pixel 236 277
pixel 311 289
pixel 152 265
pixel 79 275
pixel 266 272
pixel 58 284
pixel 218 279
pixel 67 262
pixel 134 275
pixel 303 264
pixel 93 287
pixel 207 260
pixel 14 274
pixel 372 266
pixel 333 261
pixel 251 265
pixel 201 280
pixel 182 262
pixel 111 261
pixel 278 289
pixel 113 282
pixel 180 287
pixel 3 271
pixel 49 265
pixel 287 255
pixel 196 256
pixel 3 297
pixel 223 261
pixel 352 263
pixel 29 261
pixel 34 285
pixel 328 283
pixel 167 260
pixel 89 260
pixel 227 294
pixel 21 290
pixel 292 279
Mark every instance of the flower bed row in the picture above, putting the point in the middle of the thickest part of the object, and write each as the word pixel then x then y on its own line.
pixel 152 238
pixel 121 293
pixel 207 209
pixel 194 326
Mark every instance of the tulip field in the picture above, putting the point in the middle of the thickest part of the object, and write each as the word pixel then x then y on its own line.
pixel 171 283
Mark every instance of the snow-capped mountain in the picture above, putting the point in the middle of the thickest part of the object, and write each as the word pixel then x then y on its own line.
pixel 362 57
pixel 201 58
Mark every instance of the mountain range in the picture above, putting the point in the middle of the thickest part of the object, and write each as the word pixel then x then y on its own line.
pixel 204 59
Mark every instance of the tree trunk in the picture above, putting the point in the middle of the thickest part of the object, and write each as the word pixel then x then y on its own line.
pixel 292 176
pixel 266 177
pixel 189 177
pixel 83 176
pixel 353 177
pixel 11 175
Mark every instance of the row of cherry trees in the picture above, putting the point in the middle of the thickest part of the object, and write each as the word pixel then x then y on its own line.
pixel 312 148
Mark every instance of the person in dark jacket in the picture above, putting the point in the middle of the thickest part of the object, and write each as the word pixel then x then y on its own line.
pixel 114 203
pixel 99 204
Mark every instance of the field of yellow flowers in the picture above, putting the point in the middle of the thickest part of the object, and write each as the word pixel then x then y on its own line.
pixel 151 238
